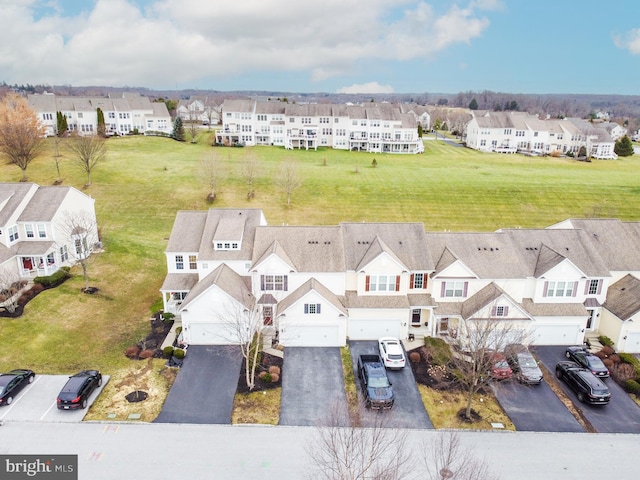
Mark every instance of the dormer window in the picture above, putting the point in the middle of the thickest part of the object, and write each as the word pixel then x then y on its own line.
pixel 227 245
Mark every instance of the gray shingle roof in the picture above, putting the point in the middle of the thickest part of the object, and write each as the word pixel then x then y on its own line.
pixel 352 300
pixel 44 204
pixel 553 309
pixel 229 281
pixel 309 285
pixel 179 281
pixel 623 297
pixel 11 195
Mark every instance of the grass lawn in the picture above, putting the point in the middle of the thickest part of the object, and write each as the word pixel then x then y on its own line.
pixel 144 181
pixel 261 407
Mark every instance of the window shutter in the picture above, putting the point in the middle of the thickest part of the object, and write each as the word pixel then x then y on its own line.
pixel 600 282
pixel 318 309
pixel 261 282
pixel 425 279
pixel 575 287
pixel 286 288
pixel 411 281
pixel 545 292
pixel 586 286
pixel 366 283
pixel 442 288
pixel 494 310
pixel 397 283
pixel 505 311
pixel 464 290
pixel 306 308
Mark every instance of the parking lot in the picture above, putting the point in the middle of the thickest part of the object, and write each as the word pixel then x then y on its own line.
pixel 37 402
pixel 408 410
pixel 621 415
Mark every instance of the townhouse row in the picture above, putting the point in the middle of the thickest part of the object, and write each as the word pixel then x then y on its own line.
pixel 323 285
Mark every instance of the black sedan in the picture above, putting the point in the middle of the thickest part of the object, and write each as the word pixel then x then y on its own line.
pixel 75 393
pixel 587 360
pixel 585 384
pixel 12 382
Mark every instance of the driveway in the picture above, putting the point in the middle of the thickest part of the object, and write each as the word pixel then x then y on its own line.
pixel 534 408
pixel 312 387
pixel 37 402
pixel 408 410
pixel 204 389
pixel 621 415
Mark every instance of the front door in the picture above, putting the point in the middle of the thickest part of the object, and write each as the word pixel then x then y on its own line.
pixel 590 319
pixel 267 314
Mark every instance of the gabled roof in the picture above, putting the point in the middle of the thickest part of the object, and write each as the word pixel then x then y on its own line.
pixel 12 195
pixel 311 285
pixel 483 298
pixel 187 230
pixel 547 259
pixel 623 297
pixel 227 280
pixel 377 248
pixel 275 249
pixel 44 204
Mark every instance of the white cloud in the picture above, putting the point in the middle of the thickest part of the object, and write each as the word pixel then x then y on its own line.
pixel 173 42
pixel 371 87
pixel 629 41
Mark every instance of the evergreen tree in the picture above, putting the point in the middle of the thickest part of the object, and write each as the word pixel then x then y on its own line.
pixel 473 105
pixel 178 130
pixel 102 129
pixel 61 124
pixel 623 147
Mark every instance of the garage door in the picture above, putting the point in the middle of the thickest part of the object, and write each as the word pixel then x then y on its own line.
pixel 310 336
pixel 556 335
pixel 632 345
pixel 209 334
pixel 373 329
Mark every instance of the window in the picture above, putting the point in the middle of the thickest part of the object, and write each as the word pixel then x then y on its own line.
pixel 560 289
pixel 28 229
pixel 42 231
pixel 499 311
pixel 454 289
pixel 193 264
pixel 179 262
pixel 178 296
pixel 13 233
pixel 312 308
pixel 594 287
pixel 418 280
pixel 64 253
pixel 51 258
pixel 81 247
pixel 273 282
pixel 382 283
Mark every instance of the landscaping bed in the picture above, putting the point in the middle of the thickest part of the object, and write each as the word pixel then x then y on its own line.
pixel 260 405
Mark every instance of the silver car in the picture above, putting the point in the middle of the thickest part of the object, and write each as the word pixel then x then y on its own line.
pixel 524 366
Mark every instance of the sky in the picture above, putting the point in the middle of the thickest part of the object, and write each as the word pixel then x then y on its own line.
pixel 332 46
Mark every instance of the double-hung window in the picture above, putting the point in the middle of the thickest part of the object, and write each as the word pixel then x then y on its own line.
pixel 312 308
pixel 28 230
pixel 418 280
pixel 594 287
pixel 454 289
pixel 560 289
pixel 179 262
pixel 273 282
pixel 382 283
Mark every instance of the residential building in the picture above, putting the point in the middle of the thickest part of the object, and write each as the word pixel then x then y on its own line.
pixel 322 285
pixel 44 228
pixel 202 109
pixel 123 115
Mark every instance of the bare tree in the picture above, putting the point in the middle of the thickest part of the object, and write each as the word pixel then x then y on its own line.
pixel 10 286
pixel 87 151
pixel 213 173
pixel 445 458
pixel 80 228
pixel 289 178
pixel 249 171
pixel 340 452
pixel 476 340
pixel 21 133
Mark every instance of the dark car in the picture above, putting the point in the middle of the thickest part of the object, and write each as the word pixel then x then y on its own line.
pixel 12 382
pixel 587 360
pixel 585 384
pixel 376 386
pixel 497 365
pixel 524 366
pixel 75 393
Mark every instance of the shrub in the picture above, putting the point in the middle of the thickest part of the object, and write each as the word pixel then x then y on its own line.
pixel 632 386
pixel 266 377
pixel 132 352
pixel 623 372
pixel 601 355
pixel 167 351
pixel 607 362
pixel 606 341
pixel 274 370
pixel 178 330
pixel 55 279
pixel 179 353
pixel 168 317
pixel 414 357
pixel 146 353
pixel 630 359
pixel 438 349
pixel 608 350
pixel 615 358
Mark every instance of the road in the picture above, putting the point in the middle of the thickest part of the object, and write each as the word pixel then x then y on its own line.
pixel 110 450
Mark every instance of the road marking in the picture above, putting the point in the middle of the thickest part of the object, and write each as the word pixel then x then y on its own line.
pixel 48 410
pixel 95 456
pixel 111 428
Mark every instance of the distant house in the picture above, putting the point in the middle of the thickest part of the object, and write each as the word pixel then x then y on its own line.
pixel 122 115
pixel 322 285
pixel 201 109
pixel 35 234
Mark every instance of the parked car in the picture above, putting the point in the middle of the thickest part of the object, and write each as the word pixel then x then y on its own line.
pixel 588 360
pixel 524 366
pixel 392 353
pixel 497 365
pixel 376 386
pixel 76 392
pixel 585 384
pixel 12 382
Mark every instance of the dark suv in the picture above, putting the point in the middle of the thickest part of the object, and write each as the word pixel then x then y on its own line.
pixel 75 393
pixel 587 386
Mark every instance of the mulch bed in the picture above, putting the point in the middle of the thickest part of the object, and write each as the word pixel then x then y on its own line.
pixel 267 361
pixel 150 346
pixel 438 378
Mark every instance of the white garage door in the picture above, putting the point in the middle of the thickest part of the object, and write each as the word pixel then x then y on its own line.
pixel 209 334
pixel 373 329
pixel 556 335
pixel 632 345
pixel 310 336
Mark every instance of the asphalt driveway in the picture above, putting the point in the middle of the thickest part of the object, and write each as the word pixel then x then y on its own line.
pixel 204 389
pixel 312 387
pixel 621 415
pixel 408 410
pixel 534 408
